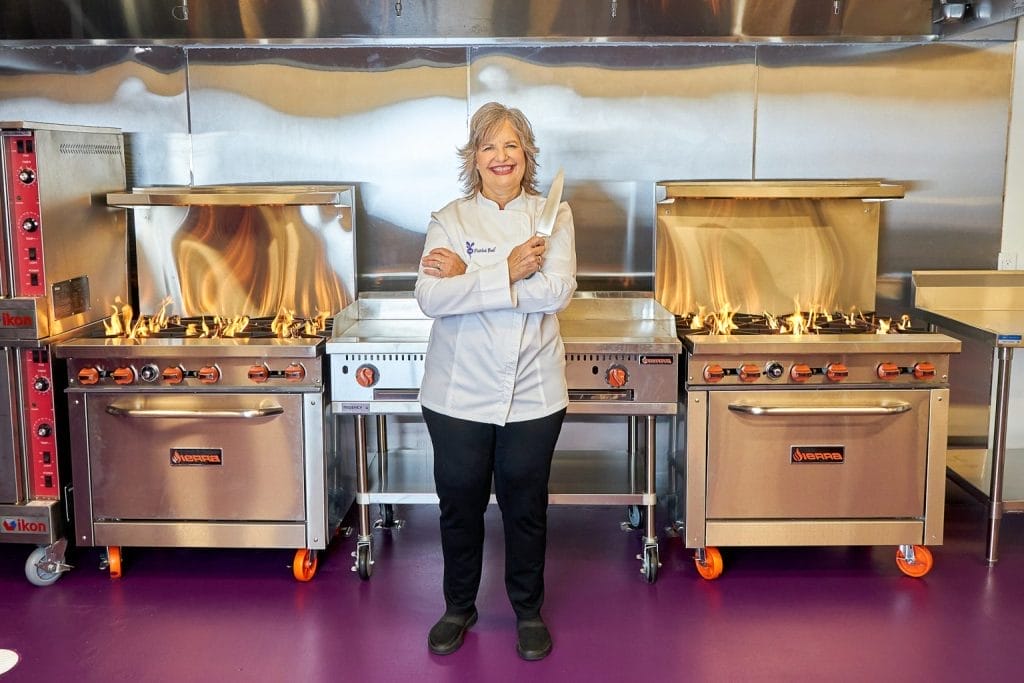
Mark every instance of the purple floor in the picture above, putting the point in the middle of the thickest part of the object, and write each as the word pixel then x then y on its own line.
pixel 833 614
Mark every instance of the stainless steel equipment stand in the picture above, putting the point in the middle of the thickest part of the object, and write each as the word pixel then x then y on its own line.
pixel 419 488
pixel 995 509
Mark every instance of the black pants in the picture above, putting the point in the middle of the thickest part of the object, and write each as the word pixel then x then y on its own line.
pixel 518 455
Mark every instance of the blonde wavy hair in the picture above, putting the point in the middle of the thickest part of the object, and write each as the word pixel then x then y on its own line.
pixel 484 123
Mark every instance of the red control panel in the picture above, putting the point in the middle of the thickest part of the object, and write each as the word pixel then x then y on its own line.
pixel 37 380
pixel 23 210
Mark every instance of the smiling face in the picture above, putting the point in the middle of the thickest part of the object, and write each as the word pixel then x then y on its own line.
pixel 501 162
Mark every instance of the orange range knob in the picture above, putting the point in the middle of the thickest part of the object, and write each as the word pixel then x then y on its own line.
pixel 88 376
pixel 124 375
pixel 617 376
pixel 366 375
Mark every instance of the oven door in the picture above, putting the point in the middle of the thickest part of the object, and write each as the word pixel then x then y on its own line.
pixel 817 454
pixel 195 457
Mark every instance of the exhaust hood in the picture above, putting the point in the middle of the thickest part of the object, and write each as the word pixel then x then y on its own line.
pixel 462 21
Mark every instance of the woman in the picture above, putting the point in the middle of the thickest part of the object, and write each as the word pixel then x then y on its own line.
pixel 494 392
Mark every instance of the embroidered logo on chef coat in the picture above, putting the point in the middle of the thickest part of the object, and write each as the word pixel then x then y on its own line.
pixel 471 249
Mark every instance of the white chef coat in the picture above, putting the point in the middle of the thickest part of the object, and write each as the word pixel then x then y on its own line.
pixel 495 353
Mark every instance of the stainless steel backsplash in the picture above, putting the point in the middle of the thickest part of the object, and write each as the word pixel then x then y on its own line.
pixel 617 117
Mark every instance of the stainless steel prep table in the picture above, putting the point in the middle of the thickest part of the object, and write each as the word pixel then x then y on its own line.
pixel 622 357
pixel 987 306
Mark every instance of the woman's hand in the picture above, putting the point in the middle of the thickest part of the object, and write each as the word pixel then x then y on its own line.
pixel 526 258
pixel 443 262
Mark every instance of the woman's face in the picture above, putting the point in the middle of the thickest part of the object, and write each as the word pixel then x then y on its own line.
pixel 501 161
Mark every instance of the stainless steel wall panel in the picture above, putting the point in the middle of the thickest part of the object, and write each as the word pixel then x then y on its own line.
pixel 141 90
pixel 387 119
pixel 198 20
pixel 932 117
pixel 618 118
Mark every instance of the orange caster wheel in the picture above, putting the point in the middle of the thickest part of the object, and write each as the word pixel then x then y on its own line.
pixel 919 566
pixel 304 565
pixel 114 561
pixel 712 566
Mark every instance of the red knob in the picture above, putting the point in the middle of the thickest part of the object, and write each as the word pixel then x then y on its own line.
pixel 888 371
pixel 294 372
pixel 259 373
pixel 124 376
pixel 924 370
pixel 209 374
pixel 801 372
pixel 714 373
pixel 173 375
pixel 617 376
pixel 749 372
pixel 837 372
pixel 88 376
pixel 366 375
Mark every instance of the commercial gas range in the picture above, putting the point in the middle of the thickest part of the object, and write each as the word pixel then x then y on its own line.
pixel 622 357
pixel 64 256
pixel 216 442
pixel 823 426
pixel 212 430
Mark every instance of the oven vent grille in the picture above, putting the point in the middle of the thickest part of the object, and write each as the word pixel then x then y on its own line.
pixel 381 357
pixel 601 357
pixel 77 148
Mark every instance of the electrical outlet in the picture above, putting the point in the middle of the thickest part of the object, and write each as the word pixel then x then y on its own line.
pixel 1007 260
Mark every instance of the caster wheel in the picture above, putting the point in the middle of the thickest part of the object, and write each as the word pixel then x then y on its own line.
pixel 650 564
pixel 634 516
pixel 712 566
pixel 35 572
pixel 387 516
pixel 921 565
pixel 114 561
pixel 364 561
pixel 305 564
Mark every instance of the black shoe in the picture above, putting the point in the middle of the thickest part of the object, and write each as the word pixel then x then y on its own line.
pixel 446 635
pixel 534 639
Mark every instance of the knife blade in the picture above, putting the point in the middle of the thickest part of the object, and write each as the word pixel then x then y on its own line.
pixel 547 215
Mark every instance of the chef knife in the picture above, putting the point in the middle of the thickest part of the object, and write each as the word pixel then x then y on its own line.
pixel 547 215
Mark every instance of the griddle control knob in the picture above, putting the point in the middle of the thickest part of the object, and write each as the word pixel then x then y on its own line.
pixel 26 175
pixel 44 430
pixel 209 374
pixel 149 373
pixel 774 370
pixel 924 370
pixel 40 384
pixel 888 371
pixel 749 372
pixel 837 372
pixel 124 375
pixel 174 375
pixel 294 372
pixel 259 373
pixel 617 376
pixel 30 224
pixel 801 372
pixel 367 375
pixel 714 373
pixel 88 376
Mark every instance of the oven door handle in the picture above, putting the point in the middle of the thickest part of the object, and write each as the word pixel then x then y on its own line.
pixel 881 408
pixel 230 413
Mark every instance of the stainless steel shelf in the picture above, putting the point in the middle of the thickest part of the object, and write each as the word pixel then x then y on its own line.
pixel 577 478
pixel 971 468
pixel 233 195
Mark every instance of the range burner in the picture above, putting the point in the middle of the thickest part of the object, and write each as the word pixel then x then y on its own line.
pixel 809 324
pixel 213 327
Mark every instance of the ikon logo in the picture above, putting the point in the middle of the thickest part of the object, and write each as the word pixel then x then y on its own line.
pixel 20 525
pixel 9 320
